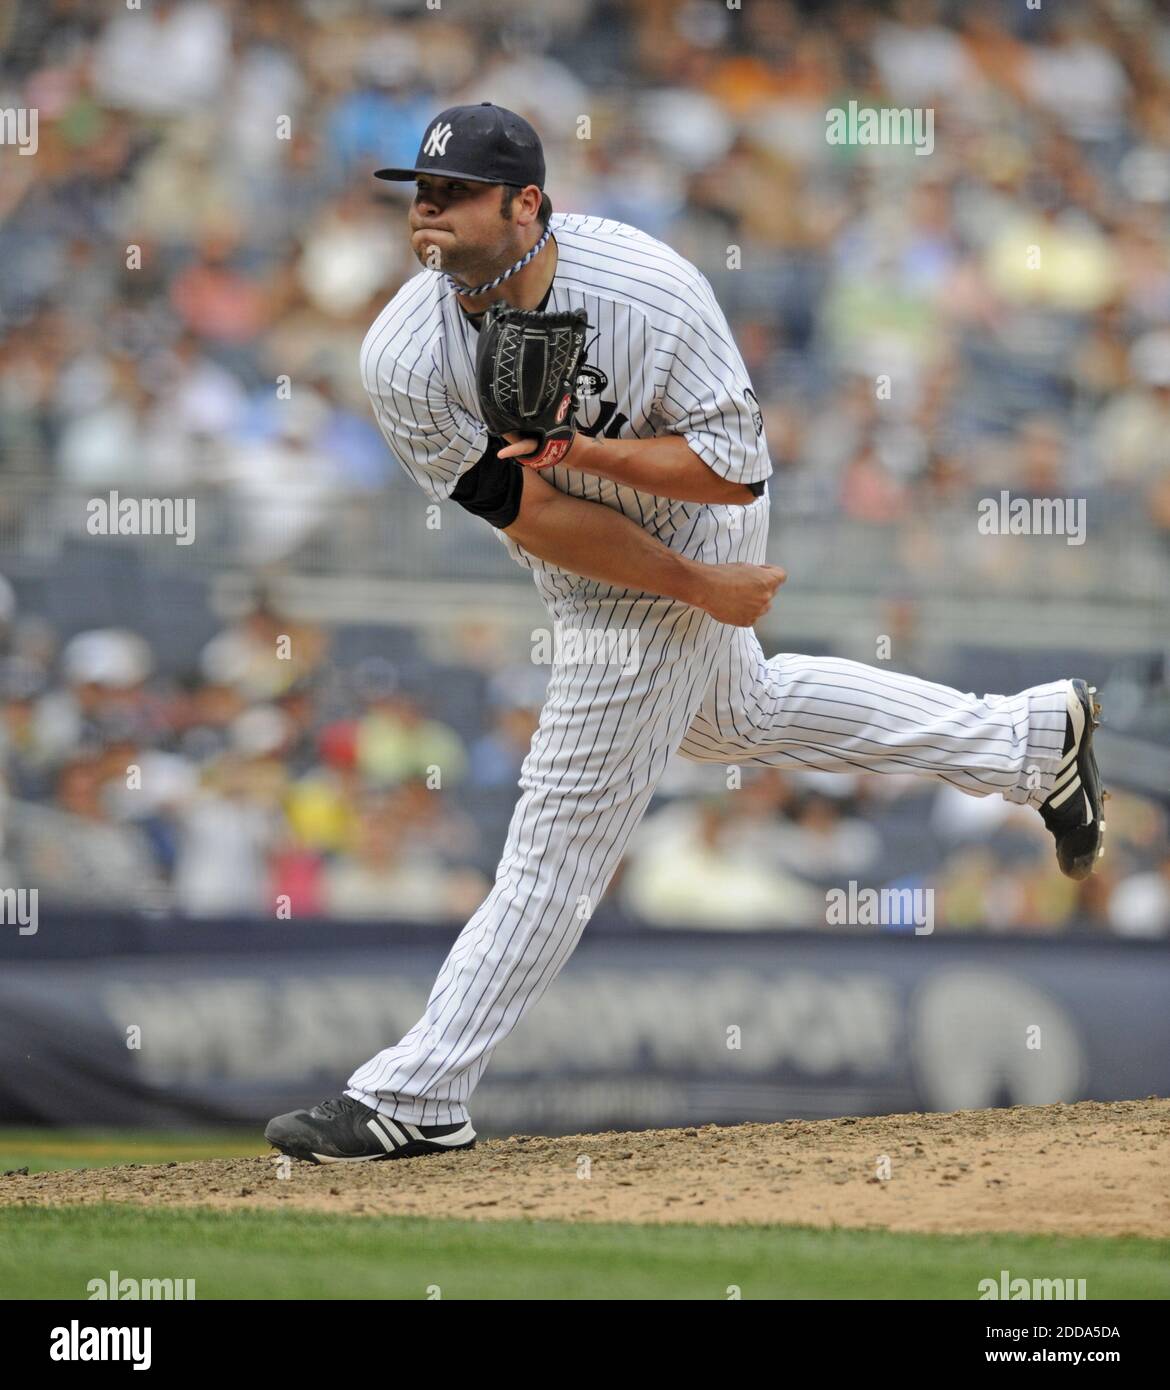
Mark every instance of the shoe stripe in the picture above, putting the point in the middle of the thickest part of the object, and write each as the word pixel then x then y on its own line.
pixel 395 1133
pixel 1055 801
pixel 374 1125
pixel 1064 778
pixel 456 1139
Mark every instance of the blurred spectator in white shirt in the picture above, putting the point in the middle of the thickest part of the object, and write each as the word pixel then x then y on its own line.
pixel 918 59
pixel 1139 906
pixel 1077 78
pixel 685 868
pixel 1131 431
pixel 168 57
pixel 230 829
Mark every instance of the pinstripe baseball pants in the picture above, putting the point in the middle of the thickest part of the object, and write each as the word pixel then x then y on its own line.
pixel 704 690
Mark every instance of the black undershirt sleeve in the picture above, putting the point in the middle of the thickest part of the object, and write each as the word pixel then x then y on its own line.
pixel 492 488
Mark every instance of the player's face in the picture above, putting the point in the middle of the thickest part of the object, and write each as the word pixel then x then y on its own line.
pixel 460 224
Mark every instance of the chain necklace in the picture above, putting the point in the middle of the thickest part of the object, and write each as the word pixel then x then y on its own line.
pixel 460 288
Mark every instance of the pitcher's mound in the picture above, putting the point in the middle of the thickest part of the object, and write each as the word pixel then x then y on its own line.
pixel 1087 1169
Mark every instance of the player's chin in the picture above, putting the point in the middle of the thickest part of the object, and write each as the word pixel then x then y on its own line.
pixel 426 243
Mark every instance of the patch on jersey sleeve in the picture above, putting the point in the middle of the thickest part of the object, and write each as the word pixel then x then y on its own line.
pixel 757 413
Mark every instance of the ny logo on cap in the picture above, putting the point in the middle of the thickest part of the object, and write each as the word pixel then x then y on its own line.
pixel 437 140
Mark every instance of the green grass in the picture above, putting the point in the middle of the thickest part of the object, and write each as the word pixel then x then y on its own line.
pixel 54 1252
pixel 42 1150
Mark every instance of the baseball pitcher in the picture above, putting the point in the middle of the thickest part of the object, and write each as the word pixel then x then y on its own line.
pixel 573 382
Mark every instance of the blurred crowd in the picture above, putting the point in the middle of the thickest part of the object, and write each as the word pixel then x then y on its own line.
pixel 273 780
pixel 199 223
pixel 189 263
pixel 266 781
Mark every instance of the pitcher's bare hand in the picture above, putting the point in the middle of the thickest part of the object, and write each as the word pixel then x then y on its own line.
pixel 738 594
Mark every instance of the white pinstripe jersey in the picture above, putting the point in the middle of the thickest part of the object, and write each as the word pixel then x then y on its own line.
pixel 660 359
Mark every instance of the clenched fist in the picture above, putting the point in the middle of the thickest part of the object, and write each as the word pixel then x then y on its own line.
pixel 738 594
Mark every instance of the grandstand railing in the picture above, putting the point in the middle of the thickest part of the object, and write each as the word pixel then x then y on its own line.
pixel 1111 589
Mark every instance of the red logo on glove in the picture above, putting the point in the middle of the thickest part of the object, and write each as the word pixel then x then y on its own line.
pixel 553 451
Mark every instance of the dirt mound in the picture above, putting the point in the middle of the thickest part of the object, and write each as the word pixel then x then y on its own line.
pixel 1085 1169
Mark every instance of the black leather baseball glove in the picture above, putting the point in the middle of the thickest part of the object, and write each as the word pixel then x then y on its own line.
pixel 526 365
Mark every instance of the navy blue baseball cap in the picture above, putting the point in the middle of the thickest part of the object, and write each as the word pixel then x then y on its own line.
pixel 484 143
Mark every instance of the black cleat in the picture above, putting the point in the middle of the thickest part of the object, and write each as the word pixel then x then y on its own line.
pixel 1075 810
pixel 343 1130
